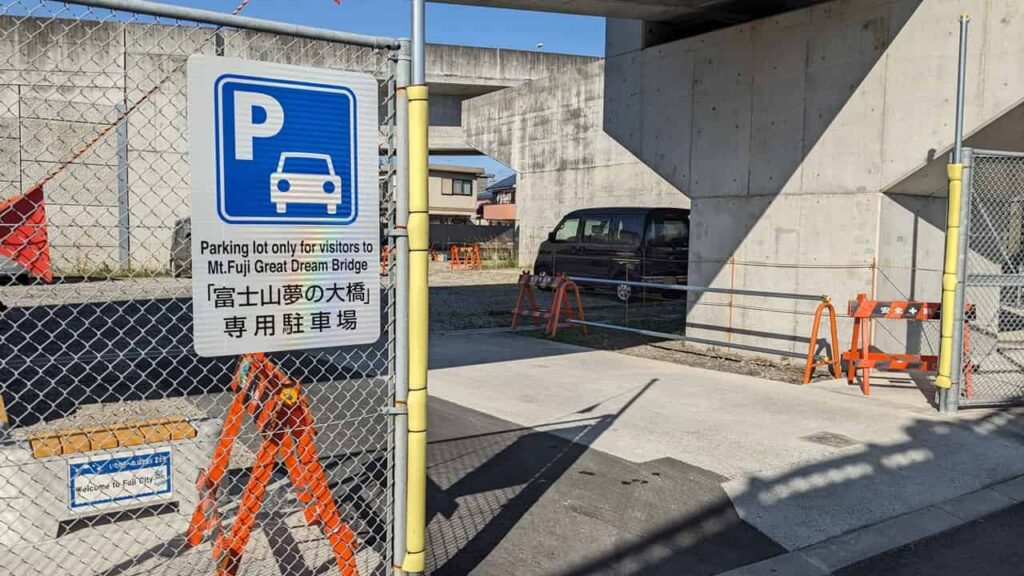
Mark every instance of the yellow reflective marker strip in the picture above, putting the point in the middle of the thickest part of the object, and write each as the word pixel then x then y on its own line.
pixel 64 442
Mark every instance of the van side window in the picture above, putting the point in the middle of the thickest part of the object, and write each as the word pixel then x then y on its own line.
pixel 595 229
pixel 566 231
pixel 668 230
pixel 626 230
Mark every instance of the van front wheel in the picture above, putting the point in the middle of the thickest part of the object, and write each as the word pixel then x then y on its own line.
pixel 624 292
pixel 542 271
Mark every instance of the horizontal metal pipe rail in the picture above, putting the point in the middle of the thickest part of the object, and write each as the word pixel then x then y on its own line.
pixel 685 288
pixel 680 338
pixel 233 21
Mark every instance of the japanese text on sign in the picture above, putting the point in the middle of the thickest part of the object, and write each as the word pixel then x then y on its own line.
pixel 285 226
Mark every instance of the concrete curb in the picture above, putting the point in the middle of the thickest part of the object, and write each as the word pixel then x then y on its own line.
pixel 824 558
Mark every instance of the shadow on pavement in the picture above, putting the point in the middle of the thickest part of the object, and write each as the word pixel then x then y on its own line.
pixel 510 500
pixel 513 500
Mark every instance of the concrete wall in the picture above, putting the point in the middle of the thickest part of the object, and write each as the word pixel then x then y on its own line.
pixel 61 82
pixel 799 138
pixel 549 130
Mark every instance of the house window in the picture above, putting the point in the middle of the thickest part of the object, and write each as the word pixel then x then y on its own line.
pixel 461 187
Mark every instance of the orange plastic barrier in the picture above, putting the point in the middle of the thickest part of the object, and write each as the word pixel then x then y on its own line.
pixel 812 361
pixel 385 253
pixel 282 416
pixel 560 306
pixel 861 357
pixel 465 257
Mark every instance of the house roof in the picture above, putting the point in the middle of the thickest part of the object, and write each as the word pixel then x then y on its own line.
pixel 503 184
pixel 457 169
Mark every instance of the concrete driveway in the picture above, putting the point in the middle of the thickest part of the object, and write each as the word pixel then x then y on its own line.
pixel 760 467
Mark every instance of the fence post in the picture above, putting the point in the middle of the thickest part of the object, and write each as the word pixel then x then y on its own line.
pixel 401 429
pixel 414 562
pixel 950 269
pixel 123 210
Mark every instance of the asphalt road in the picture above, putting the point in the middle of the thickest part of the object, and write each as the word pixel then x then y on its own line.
pixel 990 546
pixel 504 499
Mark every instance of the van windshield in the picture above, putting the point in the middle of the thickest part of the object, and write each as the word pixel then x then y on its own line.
pixel 566 232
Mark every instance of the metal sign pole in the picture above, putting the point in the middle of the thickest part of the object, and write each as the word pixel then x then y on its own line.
pixel 404 77
pixel 414 562
pixel 951 337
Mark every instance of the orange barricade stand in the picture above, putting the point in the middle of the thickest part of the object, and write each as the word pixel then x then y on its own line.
pixel 560 306
pixel 282 416
pixel 384 257
pixel 465 257
pixel 812 361
pixel 861 357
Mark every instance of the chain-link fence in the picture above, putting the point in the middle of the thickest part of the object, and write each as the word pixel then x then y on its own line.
pixel 994 280
pixel 96 352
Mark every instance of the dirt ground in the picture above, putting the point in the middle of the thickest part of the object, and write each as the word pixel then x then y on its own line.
pixel 680 353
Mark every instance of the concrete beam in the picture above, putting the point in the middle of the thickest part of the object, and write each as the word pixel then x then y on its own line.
pixel 450 141
pixel 549 130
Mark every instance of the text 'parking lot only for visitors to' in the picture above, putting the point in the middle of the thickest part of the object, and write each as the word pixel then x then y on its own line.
pixel 285 224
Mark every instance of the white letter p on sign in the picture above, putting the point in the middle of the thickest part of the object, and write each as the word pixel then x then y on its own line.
pixel 256 116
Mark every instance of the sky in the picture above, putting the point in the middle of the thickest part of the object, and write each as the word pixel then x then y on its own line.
pixel 446 24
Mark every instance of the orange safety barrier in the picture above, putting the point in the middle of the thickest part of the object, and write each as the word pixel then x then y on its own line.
pixel 465 257
pixel 385 252
pixel 861 357
pixel 560 305
pixel 814 362
pixel 282 416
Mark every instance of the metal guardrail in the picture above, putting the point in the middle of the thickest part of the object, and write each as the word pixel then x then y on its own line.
pixel 709 290
pixel 704 289
pixel 669 336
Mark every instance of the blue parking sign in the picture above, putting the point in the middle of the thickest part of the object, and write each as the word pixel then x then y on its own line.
pixel 285 151
pixel 285 206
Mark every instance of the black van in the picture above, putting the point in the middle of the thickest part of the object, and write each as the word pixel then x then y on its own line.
pixel 637 244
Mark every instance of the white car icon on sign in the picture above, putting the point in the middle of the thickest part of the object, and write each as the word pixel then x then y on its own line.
pixel 304 178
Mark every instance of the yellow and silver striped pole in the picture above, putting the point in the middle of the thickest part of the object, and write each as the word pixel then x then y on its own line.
pixel 951 335
pixel 414 562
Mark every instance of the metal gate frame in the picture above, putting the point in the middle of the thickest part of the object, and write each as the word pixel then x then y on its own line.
pixel 59 360
pixel 984 246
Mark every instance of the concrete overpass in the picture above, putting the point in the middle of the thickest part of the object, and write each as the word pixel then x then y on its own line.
pixel 810 145
pixel 457 73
